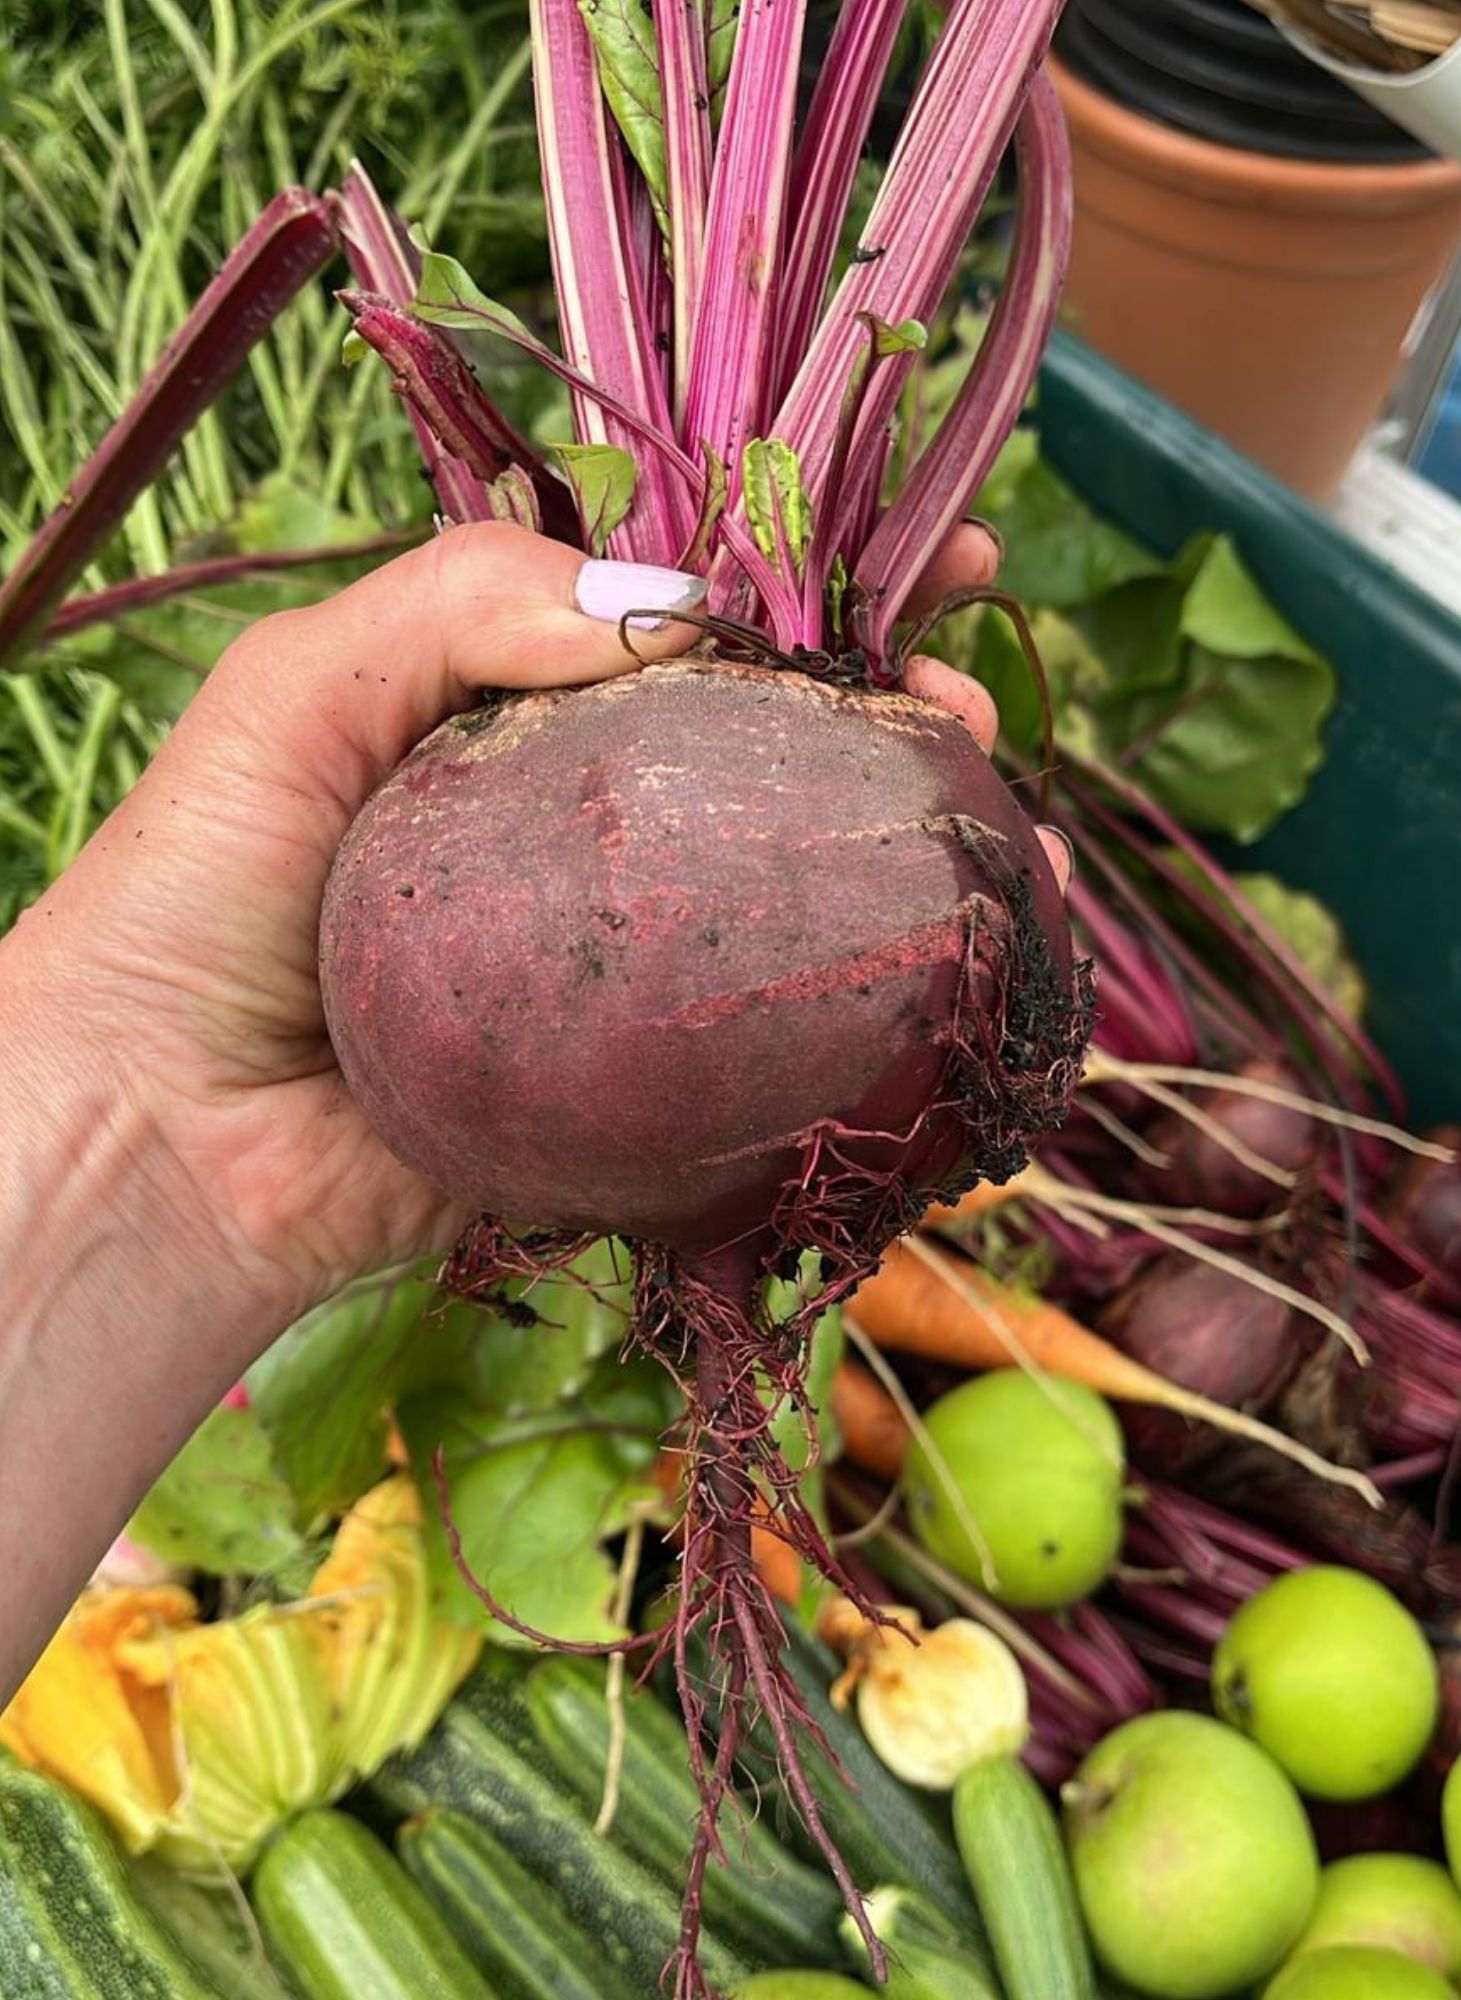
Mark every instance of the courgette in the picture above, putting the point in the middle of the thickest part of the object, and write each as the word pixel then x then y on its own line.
pixel 348 1923
pixel 506 1922
pixel 71 1925
pixel 927 1960
pixel 764 1901
pixel 634 1915
pixel 885 1832
pixel 1011 1846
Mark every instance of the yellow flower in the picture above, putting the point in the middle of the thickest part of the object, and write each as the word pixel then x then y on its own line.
pixel 393 1665
pixel 197 1740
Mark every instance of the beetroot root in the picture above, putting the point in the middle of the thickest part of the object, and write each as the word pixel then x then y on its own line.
pixel 733 963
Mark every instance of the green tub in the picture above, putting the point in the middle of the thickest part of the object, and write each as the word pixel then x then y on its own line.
pixel 1379 835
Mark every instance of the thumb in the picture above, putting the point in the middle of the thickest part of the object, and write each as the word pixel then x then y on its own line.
pixel 348 686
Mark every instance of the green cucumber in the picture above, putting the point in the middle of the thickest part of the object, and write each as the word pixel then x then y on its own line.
pixel 506 1922
pixel 926 1959
pixel 634 1915
pixel 1011 1845
pixel 71 1925
pixel 884 1831
pixel 764 1901
pixel 348 1922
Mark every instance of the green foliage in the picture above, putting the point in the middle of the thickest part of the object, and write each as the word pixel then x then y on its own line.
pixel 222 1504
pixel 1181 672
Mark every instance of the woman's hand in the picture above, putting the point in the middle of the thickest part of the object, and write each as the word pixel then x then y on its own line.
pixel 182 1171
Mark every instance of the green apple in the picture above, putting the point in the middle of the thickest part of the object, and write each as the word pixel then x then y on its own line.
pixel 1451 1819
pixel 1018 1486
pixel 1357 1972
pixel 1399 1901
pixel 1194 1861
pixel 1335 1679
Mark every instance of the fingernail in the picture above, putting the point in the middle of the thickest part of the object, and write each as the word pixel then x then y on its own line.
pixel 1054 833
pixel 641 593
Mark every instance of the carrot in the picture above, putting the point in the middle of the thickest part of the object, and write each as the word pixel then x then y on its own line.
pixel 982 1199
pixel 778 1565
pixel 922 1301
pixel 874 1430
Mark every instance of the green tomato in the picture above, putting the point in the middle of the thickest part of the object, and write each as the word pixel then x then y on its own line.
pixel 1335 1679
pixel 1028 1471
pixel 1194 1862
pixel 1357 1972
pixel 1400 1902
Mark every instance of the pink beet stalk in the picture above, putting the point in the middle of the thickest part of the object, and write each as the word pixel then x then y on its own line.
pixel 291 240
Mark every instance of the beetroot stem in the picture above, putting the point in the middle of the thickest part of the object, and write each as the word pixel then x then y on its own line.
pixel 291 240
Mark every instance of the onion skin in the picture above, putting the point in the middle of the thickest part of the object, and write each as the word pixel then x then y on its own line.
pixel 627 958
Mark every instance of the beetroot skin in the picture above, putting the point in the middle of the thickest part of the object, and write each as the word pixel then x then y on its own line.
pixel 733 963
pixel 625 959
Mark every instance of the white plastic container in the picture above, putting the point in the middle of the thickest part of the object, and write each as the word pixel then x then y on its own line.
pixel 1425 101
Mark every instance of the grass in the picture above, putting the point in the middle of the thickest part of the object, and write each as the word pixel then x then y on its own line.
pixel 137 140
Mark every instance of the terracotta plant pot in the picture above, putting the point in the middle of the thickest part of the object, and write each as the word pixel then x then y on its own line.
pixel 1270 298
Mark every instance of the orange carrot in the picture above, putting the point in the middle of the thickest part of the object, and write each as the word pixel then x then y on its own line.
pixel 874 1430
pixel 923 1301
pixel 779 1565
pixel 982 1199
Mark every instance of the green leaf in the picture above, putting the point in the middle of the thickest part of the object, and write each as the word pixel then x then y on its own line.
pixel 776 502
pixel 722 22
pixel 1057 552
pixel 1075 671
pixel 1227 612
pixel 602 477
pixel 500 1369
pixel 1314 933
pixel 624 42
pixel 1215 703
pixel 712 506
pixel 446 296
pixel 221 1506
pixel 533 1512
pixel 909 336
pixel 323 1391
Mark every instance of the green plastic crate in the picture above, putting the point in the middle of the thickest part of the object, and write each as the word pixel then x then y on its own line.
pixel 1379 835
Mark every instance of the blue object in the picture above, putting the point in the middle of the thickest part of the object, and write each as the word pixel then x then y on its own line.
pixel 1440 455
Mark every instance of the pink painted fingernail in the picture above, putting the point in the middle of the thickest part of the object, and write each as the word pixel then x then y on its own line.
pixel 612 591
pixel 1050 834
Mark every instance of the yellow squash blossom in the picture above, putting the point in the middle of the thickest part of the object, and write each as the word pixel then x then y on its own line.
pixel 197 1740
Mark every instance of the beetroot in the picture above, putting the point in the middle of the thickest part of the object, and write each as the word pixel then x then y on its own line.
pixel 734 963
pixel 690 954
pixel 1204 1173
pixel 1207 1329
pixel 1425 1204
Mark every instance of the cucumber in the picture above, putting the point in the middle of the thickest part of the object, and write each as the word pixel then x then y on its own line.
pixel 631 1912
pixel 71 1925
pixel 508 1925
pixel 926 1960
pixel 1011 1844
pixel 885 1832
pixel 348 1922
pixel 765 1902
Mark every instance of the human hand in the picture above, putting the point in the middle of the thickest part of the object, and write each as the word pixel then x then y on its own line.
pixel 186 934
